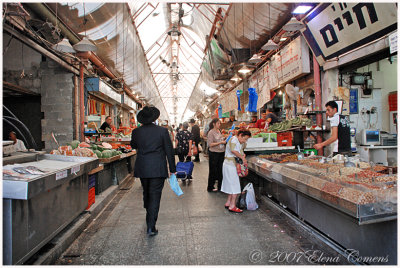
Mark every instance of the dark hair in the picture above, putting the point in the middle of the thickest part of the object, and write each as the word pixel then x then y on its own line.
pixel 185 125
pixel 270 110
pixel 332 104
pixel 108 117
pixel 244 132
pixel 211 125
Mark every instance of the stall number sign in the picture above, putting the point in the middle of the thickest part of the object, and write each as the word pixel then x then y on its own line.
pixel 334 29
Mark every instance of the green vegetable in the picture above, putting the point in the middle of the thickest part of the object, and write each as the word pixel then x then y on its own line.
pixel 98 153
pixel 74 144
pixel 93 147
pixel 107 154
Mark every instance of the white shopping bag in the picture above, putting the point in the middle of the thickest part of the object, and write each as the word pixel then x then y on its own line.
pixel 250 197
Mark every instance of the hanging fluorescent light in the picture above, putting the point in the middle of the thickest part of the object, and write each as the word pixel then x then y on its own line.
pixel 85 45
pixel 64 46
pixel 293 25
pixel 244 70
pixel 270 45
pixel 255 59
pixel 283 39
pixel 301 9
pixel 236 78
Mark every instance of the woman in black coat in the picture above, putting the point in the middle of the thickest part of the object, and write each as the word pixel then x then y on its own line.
pixel 153 147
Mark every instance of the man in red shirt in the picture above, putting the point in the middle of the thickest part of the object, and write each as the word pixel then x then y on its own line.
pixel 261 122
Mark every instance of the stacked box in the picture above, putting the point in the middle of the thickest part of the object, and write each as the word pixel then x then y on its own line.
pixel 92 191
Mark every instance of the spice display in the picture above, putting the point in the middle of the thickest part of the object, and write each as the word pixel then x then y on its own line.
pixel 363 165
pixel 365 174
pixel 289 158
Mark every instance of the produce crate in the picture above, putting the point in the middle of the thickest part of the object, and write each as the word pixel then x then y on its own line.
pixel 285 139
pixel 91 197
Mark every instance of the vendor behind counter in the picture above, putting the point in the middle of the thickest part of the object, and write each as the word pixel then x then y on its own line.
pixel 107 124
pixel 267 116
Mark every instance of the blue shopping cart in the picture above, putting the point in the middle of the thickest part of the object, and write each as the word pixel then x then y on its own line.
pixel 184 170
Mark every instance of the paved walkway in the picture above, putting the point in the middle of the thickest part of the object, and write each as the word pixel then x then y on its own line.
pixel 194 229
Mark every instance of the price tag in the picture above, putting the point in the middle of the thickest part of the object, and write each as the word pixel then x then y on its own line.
pixel 61 175
pixel 75 169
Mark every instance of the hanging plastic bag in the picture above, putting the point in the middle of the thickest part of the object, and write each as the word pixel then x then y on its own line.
pixel 173 183
pixel 251 203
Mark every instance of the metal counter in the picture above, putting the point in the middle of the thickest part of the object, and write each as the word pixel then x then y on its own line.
pixel 364 227
pixel 38 208
pixel 114 172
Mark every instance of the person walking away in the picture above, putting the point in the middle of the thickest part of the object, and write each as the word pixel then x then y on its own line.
pixel 153 147
pixel 171 135
pixel 183 141
pixel 18 144
pixel 216 145
pixel 230 180
pixel 196 138
pixel 340 131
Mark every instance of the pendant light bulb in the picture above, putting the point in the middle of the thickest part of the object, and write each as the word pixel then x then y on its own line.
pixel 236 78
pixel 85 45
pixel 64 46
pixel 255 59
pixel 244 70
pixel 293 25
pixel 270 45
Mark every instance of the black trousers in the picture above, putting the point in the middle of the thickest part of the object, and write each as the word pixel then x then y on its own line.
pixel 184 158
pixel 215 162
pixel 197 156
pixel 152 189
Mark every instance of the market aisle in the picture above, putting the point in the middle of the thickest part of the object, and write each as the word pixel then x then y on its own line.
pixel 194 229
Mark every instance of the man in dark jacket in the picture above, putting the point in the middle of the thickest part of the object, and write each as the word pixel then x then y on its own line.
pixel 196 138
pixel 153 147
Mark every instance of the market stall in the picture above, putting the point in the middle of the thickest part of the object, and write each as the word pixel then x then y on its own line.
pixel 362 200
pixel 42 194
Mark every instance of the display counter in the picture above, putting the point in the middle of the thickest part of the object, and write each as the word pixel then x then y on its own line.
pixel 355 206
pixel 114 171
pixel 386 155
pixel 40 198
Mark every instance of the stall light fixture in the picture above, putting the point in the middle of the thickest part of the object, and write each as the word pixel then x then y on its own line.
pixel 244 70
pixel 236 78
pixel 255 59
pixel 283 39
pixel 64 46
pixel 293 25
pixel 270 45
pixel 301 9
pixel 280 92
pixel 85 45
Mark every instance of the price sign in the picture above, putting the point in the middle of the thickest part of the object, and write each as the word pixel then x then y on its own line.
pixel 61 175
pixel 75 169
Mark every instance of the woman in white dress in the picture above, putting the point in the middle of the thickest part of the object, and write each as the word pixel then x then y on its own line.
pixel 230 181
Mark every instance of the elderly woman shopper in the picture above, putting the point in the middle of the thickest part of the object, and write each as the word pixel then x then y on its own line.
pixel 183 141
pixel 230 181
pixel 153 146
pixel 216 143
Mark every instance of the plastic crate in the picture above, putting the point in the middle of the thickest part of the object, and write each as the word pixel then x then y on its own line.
pixel 285 139
pixel 91 197
pixel 392 101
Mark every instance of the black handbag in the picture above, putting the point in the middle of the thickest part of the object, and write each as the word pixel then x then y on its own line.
pixel 178 150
